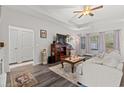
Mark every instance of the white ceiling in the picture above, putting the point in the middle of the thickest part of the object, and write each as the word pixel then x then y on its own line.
pixel 65 15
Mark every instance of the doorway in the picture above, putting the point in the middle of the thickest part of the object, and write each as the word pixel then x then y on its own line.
pixel 21 46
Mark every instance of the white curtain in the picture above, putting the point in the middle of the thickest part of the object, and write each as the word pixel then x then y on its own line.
pixel 117 40
pixel 101 42
pixel 77 41
pixel 87 43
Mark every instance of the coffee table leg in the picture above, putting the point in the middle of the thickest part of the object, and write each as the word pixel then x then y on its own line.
pixel 72 68
pixel 62 64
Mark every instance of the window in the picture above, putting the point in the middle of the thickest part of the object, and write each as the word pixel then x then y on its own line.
pixel 109 41
pixel 82 42
pixel 94 42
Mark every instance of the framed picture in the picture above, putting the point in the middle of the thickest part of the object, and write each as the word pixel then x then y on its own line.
pixel 43 34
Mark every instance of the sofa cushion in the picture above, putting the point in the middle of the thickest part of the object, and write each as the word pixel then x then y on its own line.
pixel 112 62
pixel 112 59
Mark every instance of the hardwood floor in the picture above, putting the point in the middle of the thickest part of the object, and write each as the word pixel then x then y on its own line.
pixel 44 76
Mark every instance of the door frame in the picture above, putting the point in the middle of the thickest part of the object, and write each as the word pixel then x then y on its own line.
pixel 20 28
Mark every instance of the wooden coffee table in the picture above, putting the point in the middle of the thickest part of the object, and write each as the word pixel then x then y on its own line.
pixel 72 60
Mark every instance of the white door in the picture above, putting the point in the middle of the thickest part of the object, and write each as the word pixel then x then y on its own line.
pixel 13 45
pixel 21 45
pixel 27 45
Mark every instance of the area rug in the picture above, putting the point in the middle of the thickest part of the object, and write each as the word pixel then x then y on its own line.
pixel 65 72
pixel 22 79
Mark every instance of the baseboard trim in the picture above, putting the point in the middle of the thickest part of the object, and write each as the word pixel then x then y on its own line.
pixel 21 62
pixel 35 64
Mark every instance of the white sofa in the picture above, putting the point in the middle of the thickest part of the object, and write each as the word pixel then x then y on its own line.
pixel 101 71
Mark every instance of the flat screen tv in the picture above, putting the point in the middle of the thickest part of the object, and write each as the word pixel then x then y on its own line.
pixel 61 38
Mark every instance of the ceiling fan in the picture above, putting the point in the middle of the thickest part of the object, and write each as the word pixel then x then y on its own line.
pixel 87 10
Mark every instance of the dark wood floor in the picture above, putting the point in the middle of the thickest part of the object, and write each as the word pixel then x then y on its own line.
pixel 44 76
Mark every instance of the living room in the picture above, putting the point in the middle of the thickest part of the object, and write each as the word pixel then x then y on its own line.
pixel 86 37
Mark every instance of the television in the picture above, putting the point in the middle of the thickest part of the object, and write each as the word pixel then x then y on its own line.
pixel 61 38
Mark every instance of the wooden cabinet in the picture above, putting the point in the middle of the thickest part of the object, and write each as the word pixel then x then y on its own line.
pixel 58 50
pixel 53 50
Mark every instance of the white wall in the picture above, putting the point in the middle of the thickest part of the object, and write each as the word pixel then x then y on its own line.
pixel 16 18
pixel 0 24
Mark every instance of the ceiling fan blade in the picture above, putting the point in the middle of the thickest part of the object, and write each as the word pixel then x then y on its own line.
pixel 77 11
pixel 97 7
pixel 74 16
pixel 80 15
pixel 91 14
